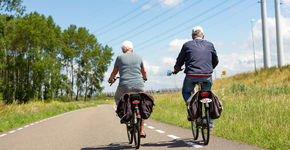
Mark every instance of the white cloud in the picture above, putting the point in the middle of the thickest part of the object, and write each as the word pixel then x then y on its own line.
pixel 151 69
pixel 218 43
pixel 176 45
pixel 170 3
pixel 168 61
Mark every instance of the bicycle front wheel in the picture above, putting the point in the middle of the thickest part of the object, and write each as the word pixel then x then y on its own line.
pixel 136 132
pixel 194 129
pixel 205 128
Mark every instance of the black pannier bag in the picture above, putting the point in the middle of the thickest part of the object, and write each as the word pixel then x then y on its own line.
pixel 124 110
pixel 146 105
pixel 193 107
pixel 124 107
pixel 215 107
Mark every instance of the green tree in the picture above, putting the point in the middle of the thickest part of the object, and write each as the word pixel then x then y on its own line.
pixel 12 6
pixel 69 53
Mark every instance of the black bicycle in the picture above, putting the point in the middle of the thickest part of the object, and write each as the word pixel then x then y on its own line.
pixel 203 121
pixel 134 125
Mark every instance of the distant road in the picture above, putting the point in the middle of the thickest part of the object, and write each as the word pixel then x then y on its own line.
pixel 99 128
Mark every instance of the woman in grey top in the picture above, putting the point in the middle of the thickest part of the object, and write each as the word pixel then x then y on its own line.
pixel 132 73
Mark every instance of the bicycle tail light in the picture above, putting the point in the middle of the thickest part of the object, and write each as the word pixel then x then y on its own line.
pixel 204 94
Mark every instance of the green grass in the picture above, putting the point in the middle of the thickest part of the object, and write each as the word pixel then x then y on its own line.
pixel 256 108
pixel 14 115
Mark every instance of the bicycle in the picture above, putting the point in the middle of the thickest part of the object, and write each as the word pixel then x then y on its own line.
pixel 133 126
pixel 203 121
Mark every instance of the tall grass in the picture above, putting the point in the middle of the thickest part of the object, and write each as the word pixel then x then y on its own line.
pixel 15 115
pixel 256 108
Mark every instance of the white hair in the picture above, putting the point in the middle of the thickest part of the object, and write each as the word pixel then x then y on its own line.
pixel 197 30
pixel 126 45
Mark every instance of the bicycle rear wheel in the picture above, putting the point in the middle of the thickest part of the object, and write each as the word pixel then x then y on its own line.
pixel 129 131
pixel 205 128
pixel 194 129
pixel 136 131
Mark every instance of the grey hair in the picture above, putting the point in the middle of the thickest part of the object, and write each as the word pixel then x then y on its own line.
pixel 126 45
pixel 197 31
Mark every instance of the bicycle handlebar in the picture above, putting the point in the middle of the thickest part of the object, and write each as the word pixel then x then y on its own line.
pixel 169 72
pixel 111 83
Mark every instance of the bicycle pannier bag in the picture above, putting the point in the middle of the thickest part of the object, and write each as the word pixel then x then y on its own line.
pixel 147 103
pixel 193 107
pixel 124 110
pixel 215 107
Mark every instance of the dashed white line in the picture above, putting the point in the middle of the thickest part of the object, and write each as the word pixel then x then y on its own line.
pixel 160 131
pixel 150 127
pixel 193 145
pixel 32 124
pixel 145 124
pixel 12 131
pixel 26 126
pixel 2 135
pixel 173 136
pixel 19 129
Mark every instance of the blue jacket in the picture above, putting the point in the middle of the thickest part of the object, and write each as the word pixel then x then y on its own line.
pixel 199 57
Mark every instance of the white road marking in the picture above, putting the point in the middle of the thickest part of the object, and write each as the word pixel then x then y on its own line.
pixel 193 145
pixel 19 129
pixel 12 131
pixel 160 131
pixel 173 136
pixel 26 126
pixel 32 124
pixel 115 108
pixel 150 127
pixel 2 135
pixel 145 124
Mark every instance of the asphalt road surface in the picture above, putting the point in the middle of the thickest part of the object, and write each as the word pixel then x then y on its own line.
pixel 99 128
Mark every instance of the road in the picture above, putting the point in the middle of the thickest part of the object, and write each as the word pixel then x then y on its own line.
pixel 99 128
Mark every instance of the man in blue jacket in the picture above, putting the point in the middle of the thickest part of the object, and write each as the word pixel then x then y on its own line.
pixel 200 58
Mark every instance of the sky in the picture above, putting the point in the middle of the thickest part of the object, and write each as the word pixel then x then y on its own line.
pixel 158 29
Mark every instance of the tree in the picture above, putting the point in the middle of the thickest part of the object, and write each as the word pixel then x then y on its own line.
pixel 12 6
pixel 70 52
pixel 34 55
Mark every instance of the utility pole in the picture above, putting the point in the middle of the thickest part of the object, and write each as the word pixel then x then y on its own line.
pixel 279 38
pixel 266 50
pixel 252 21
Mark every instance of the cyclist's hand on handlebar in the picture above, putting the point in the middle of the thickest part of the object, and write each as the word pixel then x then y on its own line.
pixel 175 71
pixel 111 80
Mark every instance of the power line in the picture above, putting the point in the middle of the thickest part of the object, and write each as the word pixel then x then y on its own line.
pixel 126 21
pixel 232 27
pixel 205 19
pixel 187 22
pixel 152 19
pixel 120 18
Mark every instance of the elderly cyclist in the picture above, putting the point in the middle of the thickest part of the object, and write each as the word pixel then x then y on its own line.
pixel 200 58
pixel 132 73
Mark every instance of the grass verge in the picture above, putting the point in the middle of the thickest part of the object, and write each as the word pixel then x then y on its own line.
pixel 14 115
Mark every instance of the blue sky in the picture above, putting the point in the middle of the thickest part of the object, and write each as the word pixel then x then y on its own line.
pixel 158 28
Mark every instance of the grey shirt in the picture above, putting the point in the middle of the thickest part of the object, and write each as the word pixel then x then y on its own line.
pixel 129 65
